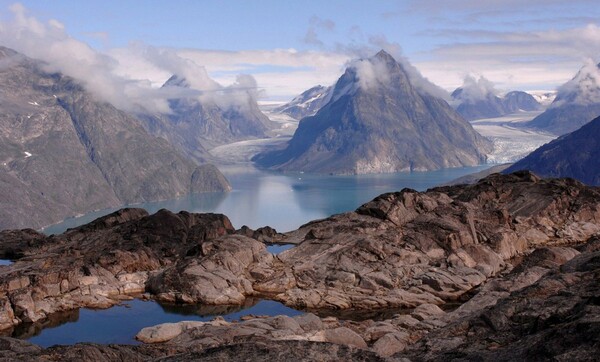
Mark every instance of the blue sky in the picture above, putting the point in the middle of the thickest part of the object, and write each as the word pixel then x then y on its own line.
pixel 289 46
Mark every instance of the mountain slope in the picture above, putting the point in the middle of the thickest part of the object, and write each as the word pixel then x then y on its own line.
pixel 575 155
pixel 197 123
pixel 377 121
pixel 491 106
pixel 63 153
pixel 577 102
pixel 307 103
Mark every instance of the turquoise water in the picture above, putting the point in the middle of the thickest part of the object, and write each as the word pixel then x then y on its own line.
pixel 286 201
pixel 121 323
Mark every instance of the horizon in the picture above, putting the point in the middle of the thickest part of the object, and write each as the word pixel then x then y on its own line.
pixel 289 48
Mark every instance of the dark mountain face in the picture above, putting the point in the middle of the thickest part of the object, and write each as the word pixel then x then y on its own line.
pixel 197 123
pixel 307 103
pixel 519 101
pixel 63 153
pixel 577 103
pixel 376 121
pixel 575 155
pixel 492 106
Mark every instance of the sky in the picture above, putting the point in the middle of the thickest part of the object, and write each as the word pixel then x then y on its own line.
pixel 282 48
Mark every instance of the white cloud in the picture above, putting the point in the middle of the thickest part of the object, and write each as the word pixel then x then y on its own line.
pixel 583 89
pixel 474 89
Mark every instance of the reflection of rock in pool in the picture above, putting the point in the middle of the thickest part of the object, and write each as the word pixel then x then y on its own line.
pixel 121 323
pixel 28 330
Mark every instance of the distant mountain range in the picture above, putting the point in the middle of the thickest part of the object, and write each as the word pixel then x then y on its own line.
pixel 378 121
pixel 307 103
pixel 577 102
pixel 490 105
pixel 575 155
pixel 63 153
pixel 197 123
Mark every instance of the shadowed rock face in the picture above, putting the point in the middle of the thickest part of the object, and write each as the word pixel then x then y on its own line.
pixel 64 153
pixel 575 155
pixel 514 255
pixel 384 126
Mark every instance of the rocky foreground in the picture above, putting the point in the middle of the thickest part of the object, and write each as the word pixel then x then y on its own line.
pixel 505 269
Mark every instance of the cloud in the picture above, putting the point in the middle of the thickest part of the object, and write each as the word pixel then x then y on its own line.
pixel 317 24
pixel 474 89
pixel 583 89
pixel 128 78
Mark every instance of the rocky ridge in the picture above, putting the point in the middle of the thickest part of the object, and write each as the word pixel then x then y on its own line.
pixel 515 253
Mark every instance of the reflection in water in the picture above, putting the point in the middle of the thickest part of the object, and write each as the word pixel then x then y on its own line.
pixel 286 201
pixel 5 262
pixel 121 323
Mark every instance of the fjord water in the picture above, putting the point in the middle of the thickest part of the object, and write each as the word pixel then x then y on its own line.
pixel 285 201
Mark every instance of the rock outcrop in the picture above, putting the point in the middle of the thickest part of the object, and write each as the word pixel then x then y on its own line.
pixel 493 270
pixel 575 155
pixel 379 121
pixel 63 153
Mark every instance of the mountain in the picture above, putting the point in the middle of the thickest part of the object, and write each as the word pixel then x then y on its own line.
pixel 577 102
pixel 575 155
pixel 63 153
pixel 490 105
pixel 519 101
pixel 198 122
pixel 307 103
pixel 378 121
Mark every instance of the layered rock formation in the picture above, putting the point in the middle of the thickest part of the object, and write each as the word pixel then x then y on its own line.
pixel 64 153
pixel 378 121
pixel 577 102
pixel 575 155
pixel 307 103
pixel 491 270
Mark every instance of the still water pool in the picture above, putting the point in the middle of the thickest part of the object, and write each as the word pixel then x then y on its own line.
pixel 121 323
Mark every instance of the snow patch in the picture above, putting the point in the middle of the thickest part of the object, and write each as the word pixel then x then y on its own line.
pixel 33 103
pixel 27 154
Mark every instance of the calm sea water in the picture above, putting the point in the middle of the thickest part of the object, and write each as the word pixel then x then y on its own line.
pixel 121 323
pixel 286 201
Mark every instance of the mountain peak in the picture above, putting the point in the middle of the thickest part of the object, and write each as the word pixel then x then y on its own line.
pixel 385 56
pixel 177 81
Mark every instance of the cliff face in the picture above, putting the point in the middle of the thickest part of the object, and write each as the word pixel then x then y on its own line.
pixel 63 153
pixel 377 121
pixel 575 155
